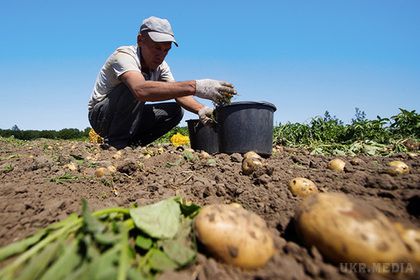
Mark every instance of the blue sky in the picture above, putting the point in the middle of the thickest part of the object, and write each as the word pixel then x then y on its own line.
pixel 305 57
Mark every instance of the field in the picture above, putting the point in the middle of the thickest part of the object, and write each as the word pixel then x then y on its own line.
pixel 43 181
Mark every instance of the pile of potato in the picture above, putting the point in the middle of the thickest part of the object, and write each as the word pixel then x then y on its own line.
pixel 340 227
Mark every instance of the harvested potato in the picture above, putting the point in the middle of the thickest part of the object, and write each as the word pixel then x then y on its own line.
pixel 251 162
pixel 356 161
pixel 346 230
pixel 101 171
pixel 411 238
pixel 111 169
pixel 118 155
pixel 302 187
pixel 250 165
pixel 204 155
pixel 234 235
pixel 252 154
pixel 397 167
pixel 336 165
pixel 71 166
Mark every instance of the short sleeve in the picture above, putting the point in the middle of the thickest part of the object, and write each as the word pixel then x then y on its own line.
pixel 123 62
pixel 165 73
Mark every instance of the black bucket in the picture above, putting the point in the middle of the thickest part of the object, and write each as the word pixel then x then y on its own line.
pixel 203 137
pixel 246 126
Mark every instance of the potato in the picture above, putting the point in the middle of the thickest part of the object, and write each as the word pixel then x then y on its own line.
pixel 71 166
pixel 336 165
pixel 252 154
pixel 346 230
pixel 111 169
pixel 204 155
pixel 397 167
pixel 101 171
pixel 118 155
pixel 411 238
pixel 302 187
pixel 356 161
pixel 250 165
pixel 234 235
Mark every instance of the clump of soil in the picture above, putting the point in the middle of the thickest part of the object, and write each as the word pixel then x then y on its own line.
pixel 43 181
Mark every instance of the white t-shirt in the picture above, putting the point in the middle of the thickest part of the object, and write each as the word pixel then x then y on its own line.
pixel 126 58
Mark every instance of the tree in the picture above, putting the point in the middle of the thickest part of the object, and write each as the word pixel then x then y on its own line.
pixel 15 128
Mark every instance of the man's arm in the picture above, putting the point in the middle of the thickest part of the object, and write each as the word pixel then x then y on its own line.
pixel 158 91
pixel 190 104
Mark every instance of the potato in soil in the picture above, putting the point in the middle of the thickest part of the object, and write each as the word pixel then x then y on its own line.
pixel 346 230
pixel 397 167
pixel 302 187
pixel 234 235
pixel 336 165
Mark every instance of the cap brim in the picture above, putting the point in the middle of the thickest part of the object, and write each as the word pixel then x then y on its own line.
pixel 162 37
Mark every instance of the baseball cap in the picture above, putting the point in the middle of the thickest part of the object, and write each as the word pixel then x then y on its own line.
pixel 159 29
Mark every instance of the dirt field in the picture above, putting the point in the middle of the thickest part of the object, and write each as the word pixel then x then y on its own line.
pixel 43 181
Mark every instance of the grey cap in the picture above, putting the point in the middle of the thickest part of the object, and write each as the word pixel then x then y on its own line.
pixel 159 29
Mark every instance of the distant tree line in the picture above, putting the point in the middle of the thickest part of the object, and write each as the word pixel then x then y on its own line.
pixel 66 133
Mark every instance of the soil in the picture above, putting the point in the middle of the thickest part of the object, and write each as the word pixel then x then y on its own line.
pixel 43 181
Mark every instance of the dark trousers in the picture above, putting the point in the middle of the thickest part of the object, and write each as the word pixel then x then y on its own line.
pixel 124 121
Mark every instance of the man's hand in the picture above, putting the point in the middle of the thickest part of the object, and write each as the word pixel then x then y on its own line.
pixel 205 114
pixel 213 90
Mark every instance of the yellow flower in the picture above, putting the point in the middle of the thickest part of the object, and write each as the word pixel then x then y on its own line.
pixel 94 137
pixel 179 139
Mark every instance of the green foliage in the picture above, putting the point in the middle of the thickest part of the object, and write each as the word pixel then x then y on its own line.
pixel 166 138
pixel 328 135
pixel 66 134
pixel 406 124
pixel 66 177
pixel 113 243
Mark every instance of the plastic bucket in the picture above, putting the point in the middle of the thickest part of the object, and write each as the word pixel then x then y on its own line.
pixel 246 126
pixel 204 138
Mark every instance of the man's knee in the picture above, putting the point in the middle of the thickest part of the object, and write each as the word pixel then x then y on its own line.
pixel 179 113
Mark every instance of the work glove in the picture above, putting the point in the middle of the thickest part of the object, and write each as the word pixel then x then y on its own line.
pixel 206 115
pixel 214 90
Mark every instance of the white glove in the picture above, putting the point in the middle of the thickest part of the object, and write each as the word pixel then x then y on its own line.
pixel 213 90
pixel 205 114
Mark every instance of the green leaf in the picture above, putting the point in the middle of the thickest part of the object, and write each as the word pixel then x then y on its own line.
pixel 181 249
pixel 188 155
pixel 125 257
pixel 188 209
pixel 20 246
pixel 144 242
pixel 81 273
pixel 37 264
pixel 133 274
pixel 159 261
pixel 66 263
pixel 211 162
pixel 178 252
pixel 159 220
pixel 91 223
pixel 104 266
pixel 107 238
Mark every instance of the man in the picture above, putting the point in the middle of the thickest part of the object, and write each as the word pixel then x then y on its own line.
pixel 133 75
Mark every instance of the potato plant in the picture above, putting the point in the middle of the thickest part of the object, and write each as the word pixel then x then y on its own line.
pixel 113 243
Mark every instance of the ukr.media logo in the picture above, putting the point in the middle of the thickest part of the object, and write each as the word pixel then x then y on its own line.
pixel 377 267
